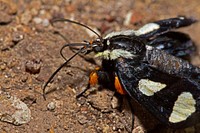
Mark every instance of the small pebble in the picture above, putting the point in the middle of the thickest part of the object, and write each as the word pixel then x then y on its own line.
pixel 33 66
pixel 45 22
pixel 37 20
pixel 13 110
pixel 2 66
pixel 5 18
pixel 16 37
pixel 51 106
pixel 115 103
pixel 26 17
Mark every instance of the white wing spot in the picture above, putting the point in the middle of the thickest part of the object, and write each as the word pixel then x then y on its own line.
pixel 126 33
pixel 148 87
pixel 182 18
pixel 143 30
pixel 147 28
pixel 183 107
pixel 114 54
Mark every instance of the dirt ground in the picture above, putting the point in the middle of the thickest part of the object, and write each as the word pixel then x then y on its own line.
pixel 30 54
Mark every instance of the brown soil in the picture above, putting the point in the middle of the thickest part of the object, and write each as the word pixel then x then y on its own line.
pixel 30 54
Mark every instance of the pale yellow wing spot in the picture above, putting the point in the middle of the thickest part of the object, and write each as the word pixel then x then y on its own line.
pixel 148 87
pixel 183 107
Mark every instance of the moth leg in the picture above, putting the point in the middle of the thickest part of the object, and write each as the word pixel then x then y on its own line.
pixel 132 112
pixel 162 26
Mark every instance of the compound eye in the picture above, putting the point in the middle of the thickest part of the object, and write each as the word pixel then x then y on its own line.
pixel 98 48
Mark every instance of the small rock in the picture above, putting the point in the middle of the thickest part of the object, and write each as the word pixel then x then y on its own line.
pixel 26 17
pixel 13 110
pixel 33 66
pixel 35 6
pixel 115 102
pixel 16 37
pixel 5 18
pixel 8 6
pixel 45 22
pixel 51 106
pixel 37 20
pixel 2 66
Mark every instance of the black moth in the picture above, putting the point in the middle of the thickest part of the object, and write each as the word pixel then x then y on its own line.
pixel 149 65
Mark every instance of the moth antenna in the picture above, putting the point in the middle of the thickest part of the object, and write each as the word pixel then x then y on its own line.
pixel 69 45
pixel 58 69
pixel 61 35
pixel 74 22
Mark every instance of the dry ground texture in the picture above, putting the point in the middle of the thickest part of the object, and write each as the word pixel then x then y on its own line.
pixel 29 53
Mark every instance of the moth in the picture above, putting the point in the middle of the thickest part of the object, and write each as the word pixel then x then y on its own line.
pixel 149 65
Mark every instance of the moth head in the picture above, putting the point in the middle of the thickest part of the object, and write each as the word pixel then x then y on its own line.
pixel 120 46
pixel 97 45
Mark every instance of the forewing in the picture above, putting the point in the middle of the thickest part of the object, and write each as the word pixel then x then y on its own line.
pixel 162 26
pixel 173 100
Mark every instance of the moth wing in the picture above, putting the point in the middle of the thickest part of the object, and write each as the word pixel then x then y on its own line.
pixel 162 26
pixel 174 43
pixel 173 100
